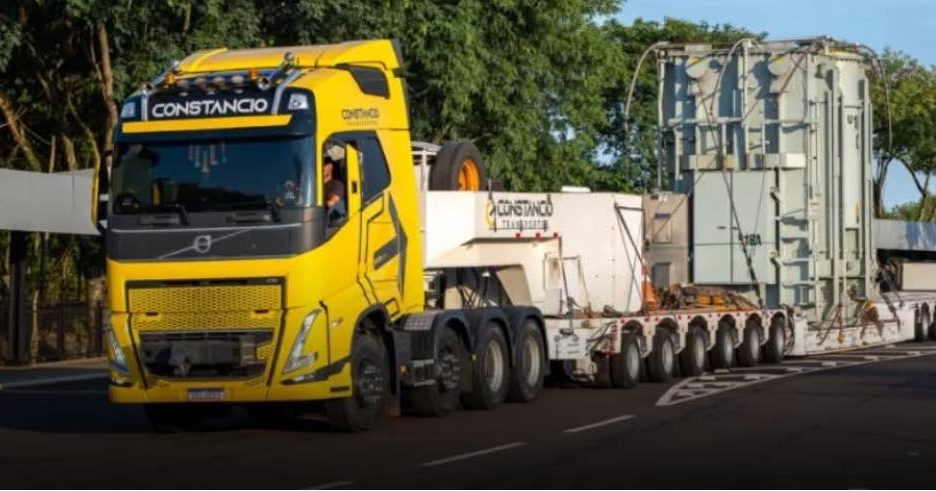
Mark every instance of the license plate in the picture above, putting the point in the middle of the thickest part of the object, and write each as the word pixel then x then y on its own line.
pixel 205 395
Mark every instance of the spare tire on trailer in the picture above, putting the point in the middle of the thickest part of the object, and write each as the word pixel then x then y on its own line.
pixel 458 167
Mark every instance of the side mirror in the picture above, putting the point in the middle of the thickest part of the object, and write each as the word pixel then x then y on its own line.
pixel 100 192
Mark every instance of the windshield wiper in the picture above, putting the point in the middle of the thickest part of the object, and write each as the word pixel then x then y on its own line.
pixel 269 214
pixel 181 219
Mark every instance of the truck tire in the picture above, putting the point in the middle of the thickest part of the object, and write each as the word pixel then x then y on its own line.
pixel 441 397
pixel 661 364
pixel 919 326
pixel 931 328
pixel 773 350
pixel 748 353
pixel 370 381
pixel 625 366
pixel 692 358
pixel 602 378
pixel 490 375
pixel 526 379
pixel 722 356
pixel 458 167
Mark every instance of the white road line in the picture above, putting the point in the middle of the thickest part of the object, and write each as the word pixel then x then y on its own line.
pixel 623 417
pixel 469 455
pixel 333 485
pixel 52 380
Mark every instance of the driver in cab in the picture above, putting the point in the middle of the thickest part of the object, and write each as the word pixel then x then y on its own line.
pixel 333 187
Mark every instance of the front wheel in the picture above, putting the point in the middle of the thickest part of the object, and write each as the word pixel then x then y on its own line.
pixel 369 379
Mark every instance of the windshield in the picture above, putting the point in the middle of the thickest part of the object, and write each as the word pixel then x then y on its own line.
pixel 213 175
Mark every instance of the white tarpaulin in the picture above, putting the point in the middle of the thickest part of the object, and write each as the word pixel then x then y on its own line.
pixel 37 202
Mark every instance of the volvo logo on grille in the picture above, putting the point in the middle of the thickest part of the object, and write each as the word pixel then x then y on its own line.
pixel 202 244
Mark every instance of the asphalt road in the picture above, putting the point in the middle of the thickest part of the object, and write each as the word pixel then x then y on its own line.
pixel 862 420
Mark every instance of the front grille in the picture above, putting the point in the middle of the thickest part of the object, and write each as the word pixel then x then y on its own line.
pixel 206 354
pixel 205 296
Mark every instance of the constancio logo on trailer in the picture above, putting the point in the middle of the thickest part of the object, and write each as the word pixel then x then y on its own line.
pixel 518 213
pixel 209 107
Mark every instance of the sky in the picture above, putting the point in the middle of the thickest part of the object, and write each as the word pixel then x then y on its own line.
pixel 905 25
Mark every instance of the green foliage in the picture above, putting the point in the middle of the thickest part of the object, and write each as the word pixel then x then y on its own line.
pixel 911 139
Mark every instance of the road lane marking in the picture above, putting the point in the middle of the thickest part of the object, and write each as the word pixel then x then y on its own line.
pixel 333 485
pixel 471 455
pixel 52 380
pixel 623 417
pixel 678 394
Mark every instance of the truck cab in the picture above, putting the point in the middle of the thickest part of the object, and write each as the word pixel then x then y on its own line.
pixel 261 217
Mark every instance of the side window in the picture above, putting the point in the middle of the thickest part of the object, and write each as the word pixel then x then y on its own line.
pixel 334 179
pixel 376 175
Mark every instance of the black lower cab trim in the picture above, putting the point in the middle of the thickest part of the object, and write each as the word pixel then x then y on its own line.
pixel 333 368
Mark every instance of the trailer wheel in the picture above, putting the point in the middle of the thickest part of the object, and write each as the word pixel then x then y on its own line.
pixel 919 326
pixel 692 358
pixel 602 378
pixel 490 375
pixel 723 354
pixel 625 366
pixel 369 376
pixel 749 351
pixel 458 167
pixel 931 329
pixel 529 371
pixel 773 350
pixel 661 364
pixel 441 397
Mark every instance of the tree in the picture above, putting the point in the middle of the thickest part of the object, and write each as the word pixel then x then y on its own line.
pixel 905 124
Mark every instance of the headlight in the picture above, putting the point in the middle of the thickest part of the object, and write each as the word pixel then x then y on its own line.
pixel 296 358
pixel 117 359
pixel 128 111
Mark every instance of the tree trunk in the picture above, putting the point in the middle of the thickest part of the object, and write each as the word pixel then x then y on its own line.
pixel 18 132
pixel 107 85
pixel 923 200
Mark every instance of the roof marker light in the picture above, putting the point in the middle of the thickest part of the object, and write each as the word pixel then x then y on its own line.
pixel 298 102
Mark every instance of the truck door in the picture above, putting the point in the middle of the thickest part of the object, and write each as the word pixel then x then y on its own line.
pixel 382 243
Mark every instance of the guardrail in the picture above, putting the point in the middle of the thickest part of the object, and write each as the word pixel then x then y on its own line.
pixel 68 330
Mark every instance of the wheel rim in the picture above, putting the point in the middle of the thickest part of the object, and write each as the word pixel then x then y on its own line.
pixel 666 356
pixel 699 350
pixel 494 366
pixel 369 383
pixel 469 176
pixel 727 349
pixel 449 370
pixel 754 344
pixel 532 357
pixel 632 361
